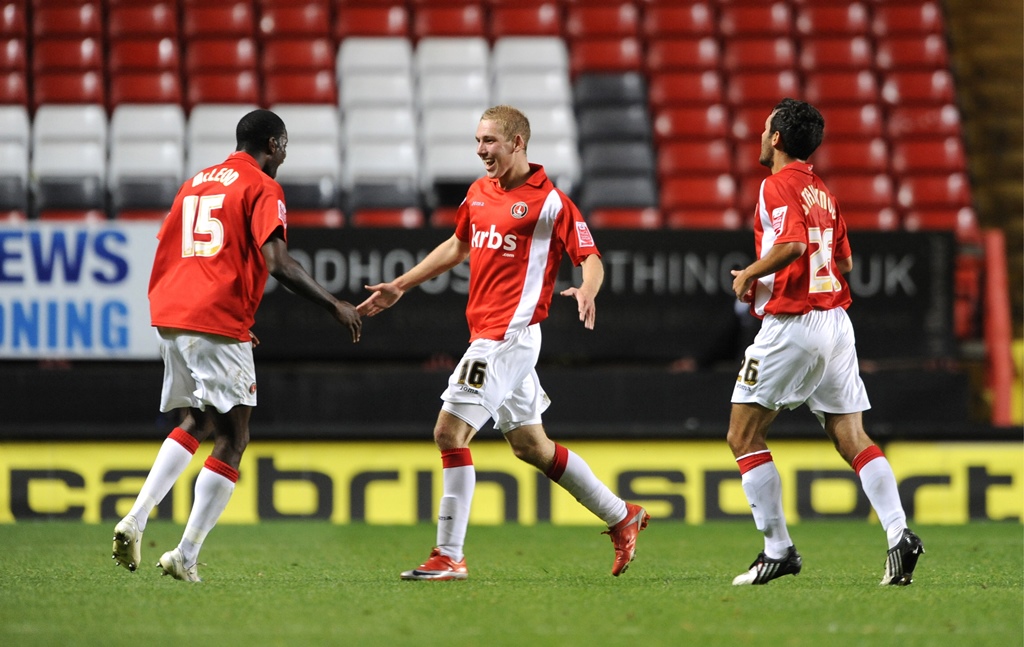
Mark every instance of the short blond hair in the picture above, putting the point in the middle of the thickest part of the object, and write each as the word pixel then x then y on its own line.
pixel 511 122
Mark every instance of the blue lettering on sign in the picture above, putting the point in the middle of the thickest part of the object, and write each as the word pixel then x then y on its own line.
pixel 56 255
pixel 88 326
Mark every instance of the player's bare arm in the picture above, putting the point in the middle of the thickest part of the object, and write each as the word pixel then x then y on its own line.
pixel 586 293
pixel 777 258
pixel 443 258
pixel 291 274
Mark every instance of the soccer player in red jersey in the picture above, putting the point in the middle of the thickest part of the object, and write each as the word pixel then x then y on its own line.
pixel 514 226
pixel 805 351
pixel 224 234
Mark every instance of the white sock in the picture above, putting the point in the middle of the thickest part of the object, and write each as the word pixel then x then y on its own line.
pixel 763 487
pixel 213 491
pixel 453 512
pixel 879 484
pixel 579 480
pixel 171 461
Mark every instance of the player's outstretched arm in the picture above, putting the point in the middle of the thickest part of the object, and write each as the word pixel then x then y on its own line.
pixel 291 274
pixel 586 294
pixel 443 258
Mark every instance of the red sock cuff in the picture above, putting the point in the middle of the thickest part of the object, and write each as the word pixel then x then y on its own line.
pixel 459 457
pixel 866 456
pixel 220 467
pixel 750 461
pixel 558 466
pixel 185 439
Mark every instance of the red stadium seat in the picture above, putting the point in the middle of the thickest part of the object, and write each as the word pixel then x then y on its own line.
pixel 916 18
pixel 885 219
pixel 862 192
pixel 322 218
pixel 675 89
pixel 66 21
pixel 308 19
pixel 619 20
pixel 711 157
pixel 851 156
pixel 536 20
pixel 235 20
pixel 222 87
pixel 203 55
pixel 300 87
pixel 605 55
pixel 762 88
pixel 143 21
pixel 406 218
pixel 837 20
pixel 143 55
pixel 841 88
pixel 852 121
pixel 605 218
pixel 299 54
pixel 676 54
pixel 914 52
pixel 918 88
pixel 69 54
pixel 13 87
pixel 709 192
pixel 145 87
pixel 683 20
pixel 391 19
pixel 711 122
pixel 68 87
pixel 12 54
pixel 704 219
pixel 13 23
pixel 765 19
pixel 937 155
pixel 751 54
pixel 448 21
pixel 923 121
pixel 828 54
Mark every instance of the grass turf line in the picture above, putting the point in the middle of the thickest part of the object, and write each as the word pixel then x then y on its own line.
pixel 320 584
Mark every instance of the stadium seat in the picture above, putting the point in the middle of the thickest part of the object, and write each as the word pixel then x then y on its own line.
pixel 615 20
pixel 741 55
pixel 603 218
pixel 691 19
pixel 605 90
pixel 281 55
pixel 143 55
pixel 863 156
pixel 13 23
pixel 222 87
pixel 635 192
pixel 383 124
pixel 450 20
pixel 376 89
pixel 841 88
pixel 387 20
pixel 525 53
pixel 682 54
pixel 67 54
pixel 206 55
pixel 707 192
pixel 862 192
pixel 704 219
pixel 67 21
pixel 455 88
pixel 616 159
pixel 906 53
pixel 928 156
pixel 294 20
pixel 836 54
pixel 143 20
pixel 774 19
pixel 359 55
pixel 68 87
pixel 710 157
pixel 315 218
pixel 533 88
pixel 145 87
pixel 761 88
pixel 710 122
pixel 13 88
pixel 678 89
pixel 543 19
pixel 615 123
pixel 236 20
pixel 605 55
pixel 144 174
pixel 914 18
pixel 404 218
pixel 847 122
pixel 300 87
pixel 853 19
pixel 917 88
pixel 923 121
pixel 882 219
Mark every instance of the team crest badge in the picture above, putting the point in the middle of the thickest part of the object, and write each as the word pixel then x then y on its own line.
pixel 519 210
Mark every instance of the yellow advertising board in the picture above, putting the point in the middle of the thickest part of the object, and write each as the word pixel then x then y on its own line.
pixel 399 482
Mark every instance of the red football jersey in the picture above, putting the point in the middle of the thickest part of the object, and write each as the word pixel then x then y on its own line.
pixel 209 274
pixel 517 239
pixel 795 206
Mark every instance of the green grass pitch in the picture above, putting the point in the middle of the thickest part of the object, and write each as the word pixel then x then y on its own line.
pixel 301 583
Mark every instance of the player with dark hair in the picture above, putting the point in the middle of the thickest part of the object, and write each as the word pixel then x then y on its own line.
pixel 514 226
pixel 224 234
pixel 805 351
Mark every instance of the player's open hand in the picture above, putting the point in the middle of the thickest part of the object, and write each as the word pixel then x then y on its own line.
pixel 384 296
pixel 586 305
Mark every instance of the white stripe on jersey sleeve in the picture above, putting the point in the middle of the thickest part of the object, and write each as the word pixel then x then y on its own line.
pixel 537 262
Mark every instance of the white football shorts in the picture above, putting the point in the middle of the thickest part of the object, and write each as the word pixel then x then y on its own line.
pixel 498 380
pixel 203 370
pixel 803 359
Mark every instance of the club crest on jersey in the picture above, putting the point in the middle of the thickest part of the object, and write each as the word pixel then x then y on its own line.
pixel 519 210
pixel 779 219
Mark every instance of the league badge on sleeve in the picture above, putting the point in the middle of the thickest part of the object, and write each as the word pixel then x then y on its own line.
pixel 583 237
